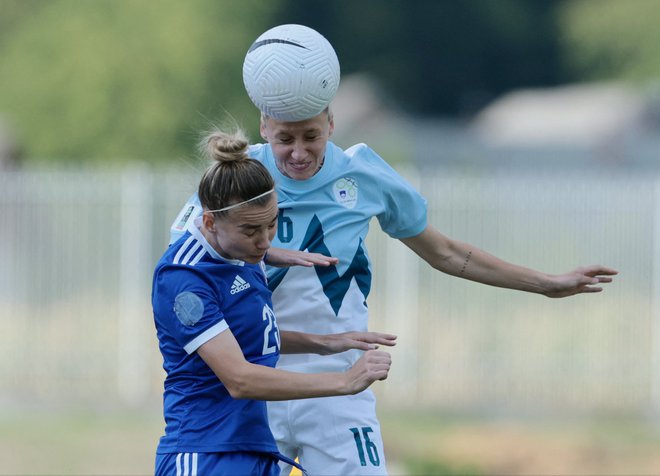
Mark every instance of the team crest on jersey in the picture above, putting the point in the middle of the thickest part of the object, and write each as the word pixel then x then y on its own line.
pixel 188 307
pixel 346 191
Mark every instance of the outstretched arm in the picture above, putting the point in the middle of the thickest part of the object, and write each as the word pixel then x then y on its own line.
pixel 281 257
pixel 466 261
pixel 325 344
pixel 258 382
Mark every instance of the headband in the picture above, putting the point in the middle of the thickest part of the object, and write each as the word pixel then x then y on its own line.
pixel 241 203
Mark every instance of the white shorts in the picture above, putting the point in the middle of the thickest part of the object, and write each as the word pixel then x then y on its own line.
pixel 331 436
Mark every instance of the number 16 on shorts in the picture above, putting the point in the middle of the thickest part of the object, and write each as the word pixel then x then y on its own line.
pixel 365 447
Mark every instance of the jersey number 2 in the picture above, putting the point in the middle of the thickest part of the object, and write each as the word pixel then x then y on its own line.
pixel 271 327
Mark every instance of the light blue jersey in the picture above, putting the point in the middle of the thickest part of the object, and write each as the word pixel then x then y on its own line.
pixel 330 214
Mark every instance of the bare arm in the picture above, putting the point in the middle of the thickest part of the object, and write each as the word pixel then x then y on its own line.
pixel 258 382
pixel 466 261
pixel 325 344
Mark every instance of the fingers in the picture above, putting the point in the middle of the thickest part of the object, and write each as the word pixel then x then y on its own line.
pixel 372 366
pixel 374 338
pixel 590 289
pixel 374 343
pixel 320 260
pixel 300 258
pixel 378 363
pixel 608 271
pixel 382 337
pixel 309 263
pixel 597 270
pixel 591 277
pixel 361 345
pixel 378 356
pixel 369 344
pixel 597 277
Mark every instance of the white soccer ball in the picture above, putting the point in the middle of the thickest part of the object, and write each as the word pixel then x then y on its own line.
pixel 291 73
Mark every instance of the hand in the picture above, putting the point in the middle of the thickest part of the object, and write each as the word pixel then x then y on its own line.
pixel 581 280
pixel 335 343
pixel 373 365
pixel 281 257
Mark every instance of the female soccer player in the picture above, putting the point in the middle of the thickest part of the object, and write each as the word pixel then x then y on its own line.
pixel 218 334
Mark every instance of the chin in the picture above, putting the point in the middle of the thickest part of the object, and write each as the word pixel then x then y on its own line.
pixel 300 175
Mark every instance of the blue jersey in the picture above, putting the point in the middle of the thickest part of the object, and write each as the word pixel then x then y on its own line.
pixel 330 214
pixel 196 295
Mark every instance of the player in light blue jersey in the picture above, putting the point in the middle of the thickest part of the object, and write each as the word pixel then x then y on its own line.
pixel 218 334
pixel 327 197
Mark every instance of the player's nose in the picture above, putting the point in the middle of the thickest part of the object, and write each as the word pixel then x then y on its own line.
pixel 298 151
pixel 262 240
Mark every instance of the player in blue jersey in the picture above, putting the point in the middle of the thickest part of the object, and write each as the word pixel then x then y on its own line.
pixel 218 334
pixel 327 197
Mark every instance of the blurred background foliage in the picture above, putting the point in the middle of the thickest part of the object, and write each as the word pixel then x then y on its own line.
pixel 111 81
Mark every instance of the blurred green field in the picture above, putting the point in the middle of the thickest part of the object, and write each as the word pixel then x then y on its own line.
pixel 117 442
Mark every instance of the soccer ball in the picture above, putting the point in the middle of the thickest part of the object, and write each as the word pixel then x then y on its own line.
pixel 291 73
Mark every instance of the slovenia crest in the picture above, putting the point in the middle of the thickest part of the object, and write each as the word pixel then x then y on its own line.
pixel 346 191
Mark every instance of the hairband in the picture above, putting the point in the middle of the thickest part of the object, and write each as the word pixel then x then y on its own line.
pixel 241 203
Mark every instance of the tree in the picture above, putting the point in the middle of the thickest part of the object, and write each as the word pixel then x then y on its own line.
pixel 612 39
pixel 441 57
pixel 121 80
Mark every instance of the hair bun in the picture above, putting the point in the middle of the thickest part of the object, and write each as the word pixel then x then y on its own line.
pixel 226 147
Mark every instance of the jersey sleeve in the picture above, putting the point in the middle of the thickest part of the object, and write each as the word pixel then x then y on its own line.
pixel 186 308
pixel 404 210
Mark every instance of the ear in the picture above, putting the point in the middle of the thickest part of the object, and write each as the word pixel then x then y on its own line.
pixel 208 221
pixel 262 130
pixel 331 125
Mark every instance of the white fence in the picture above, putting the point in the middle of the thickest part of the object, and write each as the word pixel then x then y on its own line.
pixel 77 249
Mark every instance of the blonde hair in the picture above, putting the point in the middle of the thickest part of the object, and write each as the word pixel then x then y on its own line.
pixel 232 177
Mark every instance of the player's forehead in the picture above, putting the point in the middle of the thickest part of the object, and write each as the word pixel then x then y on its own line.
pixel 255 216
pixel 316 123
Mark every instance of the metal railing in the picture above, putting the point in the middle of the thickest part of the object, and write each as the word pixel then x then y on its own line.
pixel 77 249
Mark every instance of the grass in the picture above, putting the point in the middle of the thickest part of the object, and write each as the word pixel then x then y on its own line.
pixel 116 441
pixel 79 442
pixel 435 444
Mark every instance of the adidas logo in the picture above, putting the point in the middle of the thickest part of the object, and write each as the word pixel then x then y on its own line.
pixel 239 285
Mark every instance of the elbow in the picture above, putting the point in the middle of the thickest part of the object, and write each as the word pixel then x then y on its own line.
pixel 441 262
pixel 239 388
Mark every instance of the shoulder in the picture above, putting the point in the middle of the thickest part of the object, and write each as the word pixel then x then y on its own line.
pixel 363 152
pixel 361 156
pixel 358 149
pixel 257 151
pixel 187 258
pixel 205 279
